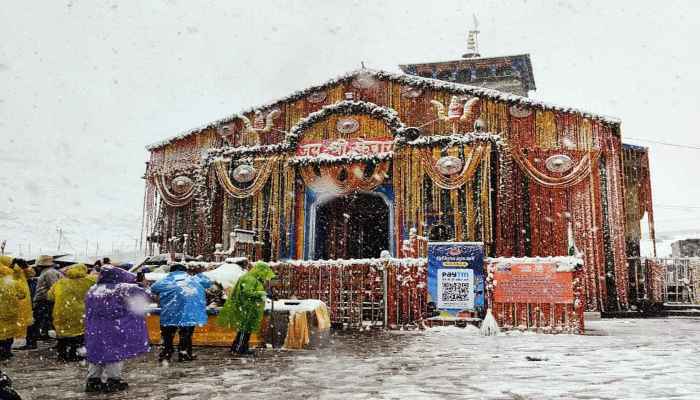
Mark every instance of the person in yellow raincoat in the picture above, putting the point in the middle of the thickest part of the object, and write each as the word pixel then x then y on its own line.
pixel 68 295
pixel 10 295
pixel 21 273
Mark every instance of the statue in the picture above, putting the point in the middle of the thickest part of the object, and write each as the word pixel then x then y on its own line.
pixel 250 134
pixel 457 111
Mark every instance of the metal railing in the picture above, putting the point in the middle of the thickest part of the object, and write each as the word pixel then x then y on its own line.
pixel 359 293
pixel 663 280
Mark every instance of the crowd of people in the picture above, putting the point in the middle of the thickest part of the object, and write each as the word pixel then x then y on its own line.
pixel 98 313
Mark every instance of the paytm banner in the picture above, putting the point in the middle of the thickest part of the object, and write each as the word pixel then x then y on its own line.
pixel 456 277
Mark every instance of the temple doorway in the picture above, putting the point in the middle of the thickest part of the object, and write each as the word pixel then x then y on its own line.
pixel 352 226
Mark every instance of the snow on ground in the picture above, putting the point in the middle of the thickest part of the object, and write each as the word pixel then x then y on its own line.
pixel 620 359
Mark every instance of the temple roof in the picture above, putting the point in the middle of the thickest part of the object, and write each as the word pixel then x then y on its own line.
pixel 404 79
pixel 521 62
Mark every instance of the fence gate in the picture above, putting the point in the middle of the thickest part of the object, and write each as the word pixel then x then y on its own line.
pixel 681 278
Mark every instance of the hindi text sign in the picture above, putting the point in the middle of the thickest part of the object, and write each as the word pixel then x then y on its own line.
pixel 532 283
pixel 346 147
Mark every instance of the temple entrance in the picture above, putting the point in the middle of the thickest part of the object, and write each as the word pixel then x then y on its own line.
pixel 352 226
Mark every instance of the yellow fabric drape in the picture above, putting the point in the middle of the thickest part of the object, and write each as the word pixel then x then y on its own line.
pixel 170 198
pixel 472 160
pixel 263 174
pixel 323 318
pixel 415 167
pixel 297 331
pixel 329 180
pixel 577 174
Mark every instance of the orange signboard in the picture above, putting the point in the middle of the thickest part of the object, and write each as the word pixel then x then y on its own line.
pixel 532 283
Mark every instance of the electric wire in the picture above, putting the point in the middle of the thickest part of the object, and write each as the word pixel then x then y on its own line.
pixel 685 146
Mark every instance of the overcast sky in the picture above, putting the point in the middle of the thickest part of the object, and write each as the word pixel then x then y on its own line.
pixel 85 85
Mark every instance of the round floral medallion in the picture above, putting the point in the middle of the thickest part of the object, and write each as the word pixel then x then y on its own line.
pixel 181 184
pixel 449 165
pixel 244 173
pixel 559 163
pixel 317 97
pixel 347 125
pixel 519 112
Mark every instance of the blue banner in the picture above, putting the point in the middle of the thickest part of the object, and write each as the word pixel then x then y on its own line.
pixel 456 277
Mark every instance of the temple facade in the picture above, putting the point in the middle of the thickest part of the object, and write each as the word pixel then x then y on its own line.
pixel 349 168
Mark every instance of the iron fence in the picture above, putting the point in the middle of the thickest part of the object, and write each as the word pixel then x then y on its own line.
pixel 655 281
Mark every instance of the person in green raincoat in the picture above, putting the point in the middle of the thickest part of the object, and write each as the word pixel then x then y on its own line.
pixel 10 295
pixel 244 308
pixel 68 295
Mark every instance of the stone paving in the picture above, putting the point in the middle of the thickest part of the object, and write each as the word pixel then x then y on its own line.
pixel 623 359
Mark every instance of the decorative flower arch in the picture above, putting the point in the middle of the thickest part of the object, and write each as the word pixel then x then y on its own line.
pixel 346 107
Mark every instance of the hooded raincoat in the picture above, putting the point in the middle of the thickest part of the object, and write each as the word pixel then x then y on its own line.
pixel 10 296
pixel 68 295
pixel 26 316
pixel 245 306
pixel 115 325
pixel 183 299
pixel 25 305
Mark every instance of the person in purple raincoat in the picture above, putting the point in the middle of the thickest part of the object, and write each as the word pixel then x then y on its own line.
pixel 115 328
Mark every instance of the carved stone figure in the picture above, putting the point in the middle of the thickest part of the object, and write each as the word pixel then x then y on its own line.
pixel 458 111
pixel 250 134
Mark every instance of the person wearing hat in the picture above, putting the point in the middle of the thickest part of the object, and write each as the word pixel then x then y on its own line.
pixel 43 307
pixel 183 306
pixel 245 306
pixel 68 295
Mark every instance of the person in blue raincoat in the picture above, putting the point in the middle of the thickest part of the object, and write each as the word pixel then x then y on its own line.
pixel 183 306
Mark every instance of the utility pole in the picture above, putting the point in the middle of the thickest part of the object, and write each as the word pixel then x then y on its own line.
pixel 60 237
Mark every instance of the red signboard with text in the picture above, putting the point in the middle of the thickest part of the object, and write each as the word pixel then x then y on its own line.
pixel 532 283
